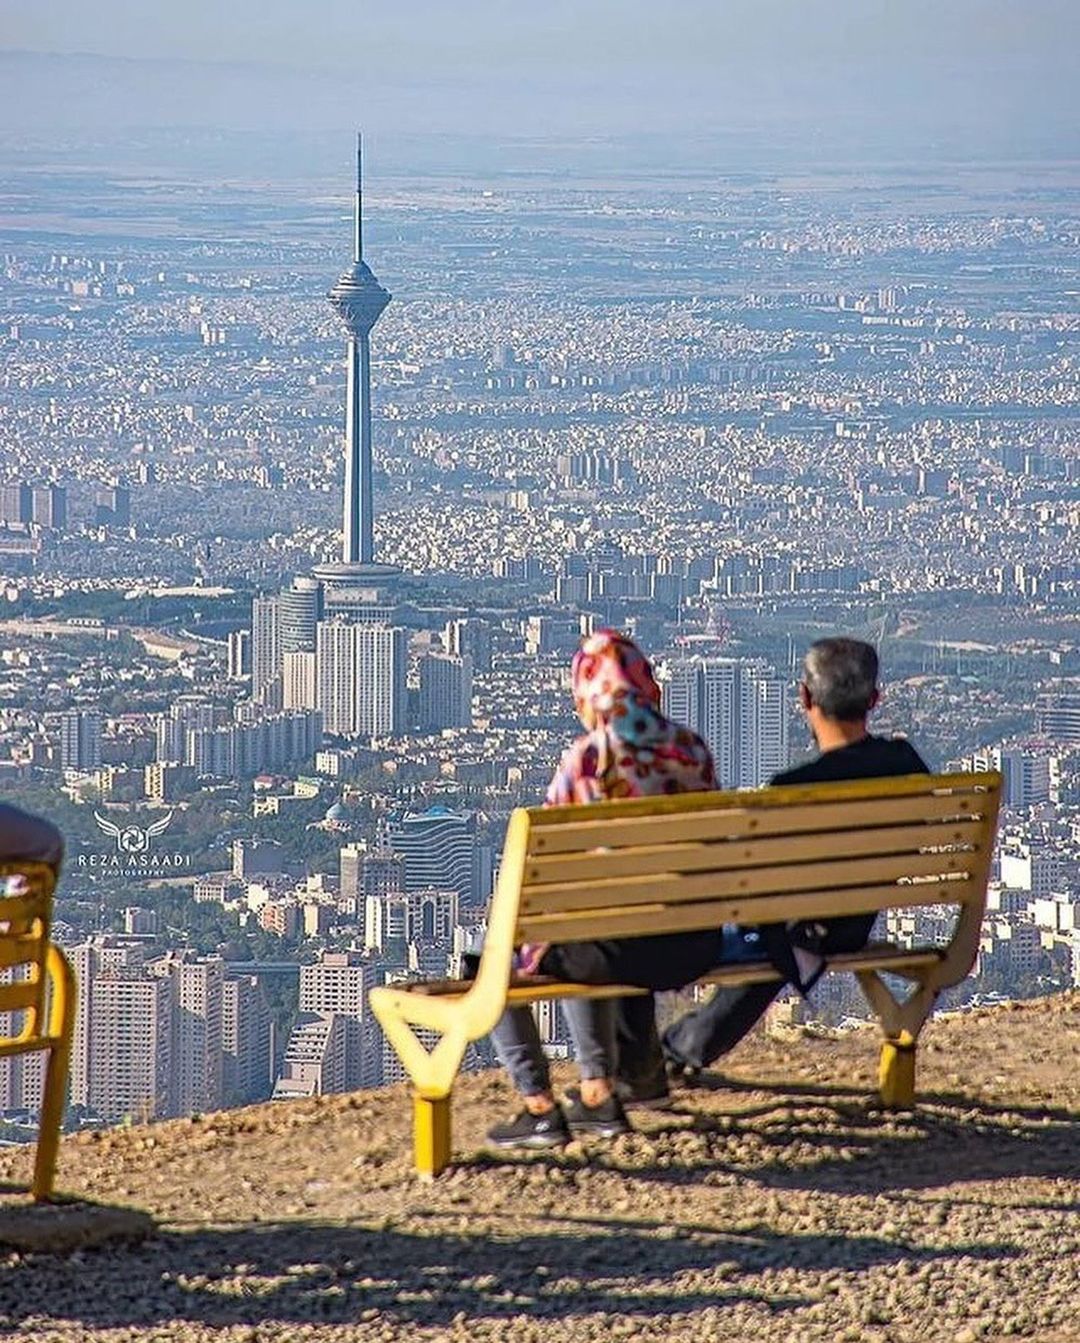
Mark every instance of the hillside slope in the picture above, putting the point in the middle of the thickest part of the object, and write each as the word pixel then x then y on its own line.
pixel 780 1205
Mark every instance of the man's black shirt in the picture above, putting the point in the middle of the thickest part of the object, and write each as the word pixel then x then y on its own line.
pixel 871 758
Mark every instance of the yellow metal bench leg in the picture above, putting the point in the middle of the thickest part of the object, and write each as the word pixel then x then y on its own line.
pixel 50 1121
pixel 896 1072
pixel 431 1133
pixel 61 1028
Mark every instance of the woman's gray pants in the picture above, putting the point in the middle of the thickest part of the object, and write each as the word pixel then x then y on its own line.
pixel 592 1030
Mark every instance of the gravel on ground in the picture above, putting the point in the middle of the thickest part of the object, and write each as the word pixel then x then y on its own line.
pixel 778 1203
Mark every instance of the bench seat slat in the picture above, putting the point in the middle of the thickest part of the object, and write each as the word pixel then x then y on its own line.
pixel 20 910
pixel 30 1045
pixel 748 823
pixel 20 949
pixel 536 988
pixel 20 995
pixel 672 889
pixel 644 859
pixel 641 920
pixel 894 960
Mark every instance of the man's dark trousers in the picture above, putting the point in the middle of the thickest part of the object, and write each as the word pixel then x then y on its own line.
pixel 705 1033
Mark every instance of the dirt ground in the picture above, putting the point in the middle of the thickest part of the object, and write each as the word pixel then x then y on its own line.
pixel 778 1203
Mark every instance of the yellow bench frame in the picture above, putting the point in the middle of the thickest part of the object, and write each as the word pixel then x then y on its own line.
pixel 696 861
pixel 45 995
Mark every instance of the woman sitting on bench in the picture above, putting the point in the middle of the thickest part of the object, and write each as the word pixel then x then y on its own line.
pixel 629 750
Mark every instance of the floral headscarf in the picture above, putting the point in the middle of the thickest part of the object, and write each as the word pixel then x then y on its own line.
pixel 608 670
pixel 631 750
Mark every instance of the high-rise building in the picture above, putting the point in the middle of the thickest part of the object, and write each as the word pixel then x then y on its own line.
pixel 140 922
pixel 16 503
pixel 112 506
pixel 740 708
pixel 381 668
pixel 187 714
pixel 1025 774
pixel 239 655
pixel 764 727
pixel 196 1055
pixel 365 874
pixel 336 670
pixel 256 858
pixel 102 954
pixel 299 683
pixel 381 874
pixel 247 1042
pixel 300 608
pixel 439 849
pixel 338 983
pixel 680 687
pixel 265 646
pixel 552 634
pixel 49 507
pixel 469 636
pixel 719 717
pixel 165 780
pixel 446 686
pixel 350 861
pixel 129 1071
pixel 1058 718
pixel 241 749
pixel 361 671
pixel 21 1076
pixel 316 1057
pixel 131 1053
pixel 80 739
pixel 421 918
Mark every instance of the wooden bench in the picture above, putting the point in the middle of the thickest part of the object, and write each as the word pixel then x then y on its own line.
pixel 38 984
pixel 699 860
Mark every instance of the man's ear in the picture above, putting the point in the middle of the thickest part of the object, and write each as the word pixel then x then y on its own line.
pixel 804 697
pixel 875 700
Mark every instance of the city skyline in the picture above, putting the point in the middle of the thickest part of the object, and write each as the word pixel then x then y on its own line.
pixel 725 410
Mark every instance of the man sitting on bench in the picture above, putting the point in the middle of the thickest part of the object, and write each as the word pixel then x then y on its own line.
pixel 838 691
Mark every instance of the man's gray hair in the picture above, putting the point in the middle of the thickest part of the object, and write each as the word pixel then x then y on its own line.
pixel 841 677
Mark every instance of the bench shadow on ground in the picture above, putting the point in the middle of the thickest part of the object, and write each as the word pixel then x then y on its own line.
pixel 306 1272
pixel 837 1139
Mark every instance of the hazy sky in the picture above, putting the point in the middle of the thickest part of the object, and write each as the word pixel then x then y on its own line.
pixel 918 68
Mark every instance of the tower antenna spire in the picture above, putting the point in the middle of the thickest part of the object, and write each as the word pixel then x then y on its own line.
pixel 358 241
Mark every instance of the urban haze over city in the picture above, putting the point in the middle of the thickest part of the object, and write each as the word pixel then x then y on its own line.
pixel 727 326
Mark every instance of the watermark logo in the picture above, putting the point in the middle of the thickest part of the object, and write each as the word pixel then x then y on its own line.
pixel 132 838
pixel 134 849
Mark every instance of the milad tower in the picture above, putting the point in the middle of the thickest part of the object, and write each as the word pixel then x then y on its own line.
pixel 358 299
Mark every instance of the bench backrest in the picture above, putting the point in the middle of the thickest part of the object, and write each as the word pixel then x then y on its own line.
pixel 697 860
pixel 26 897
